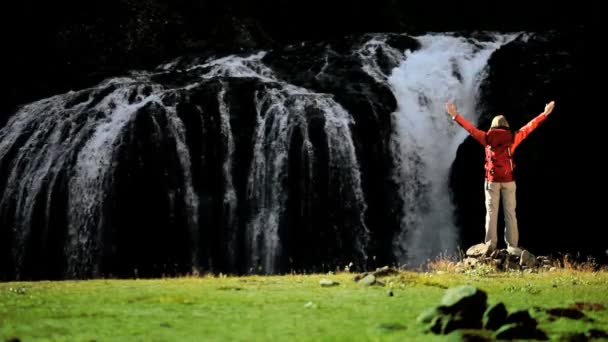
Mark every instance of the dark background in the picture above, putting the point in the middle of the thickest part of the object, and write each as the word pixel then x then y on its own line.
pixel 52 47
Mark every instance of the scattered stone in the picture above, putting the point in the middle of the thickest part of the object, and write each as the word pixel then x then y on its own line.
pixel 588 306
pixel 546 261
pixel 460 321
pixel 568 313
pixel 385 271
pixel 516 331
pixel 310 305
pixel 521 317
pixel 574 337
pixel 596 333
pixel 391 326
pixel 429 314
pixel 230 288
pixel 512 265
pixel 379 272
pixel 328 282
pixel 465 299
pixel 368 280
pixel 17 290
pixel 589 335
pixel 496 263
pixel 527 259
pixel 461 308
pixel 495 316
pixel 467 336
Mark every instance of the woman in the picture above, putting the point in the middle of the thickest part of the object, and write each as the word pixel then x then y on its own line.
pixel 500 144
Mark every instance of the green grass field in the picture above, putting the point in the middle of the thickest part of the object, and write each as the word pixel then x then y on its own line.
pixel 280 308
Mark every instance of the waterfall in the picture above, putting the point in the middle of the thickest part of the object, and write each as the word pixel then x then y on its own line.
pixel 91 175
pixel 425 139
pixel 284 110
pixel 281 114
pixel 64 156
pixel 76 137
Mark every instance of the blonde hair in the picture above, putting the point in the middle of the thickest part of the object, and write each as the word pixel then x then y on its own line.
pixel 499 121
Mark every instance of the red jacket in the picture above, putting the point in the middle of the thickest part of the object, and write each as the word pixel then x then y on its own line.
pixel 496 136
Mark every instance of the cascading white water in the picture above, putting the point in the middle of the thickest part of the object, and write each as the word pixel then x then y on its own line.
pixel 76 132
pixel 281 113
pixel 268 173
pixel 425 139
pixel 91 175
pixel 344 170
pixel 368 54
pixel 229 205
pixel 39 158
pixel 78 135
pixel 178 132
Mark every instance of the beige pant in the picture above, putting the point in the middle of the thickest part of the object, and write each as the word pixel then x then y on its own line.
pixel 494 192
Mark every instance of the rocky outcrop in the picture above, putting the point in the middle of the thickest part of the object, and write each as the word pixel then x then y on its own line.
pixel 504 259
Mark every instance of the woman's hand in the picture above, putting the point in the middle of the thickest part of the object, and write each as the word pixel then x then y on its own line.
pixel 451 109
pixel 549 107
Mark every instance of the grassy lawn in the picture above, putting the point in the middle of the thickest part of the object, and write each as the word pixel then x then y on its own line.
pixel 279 308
